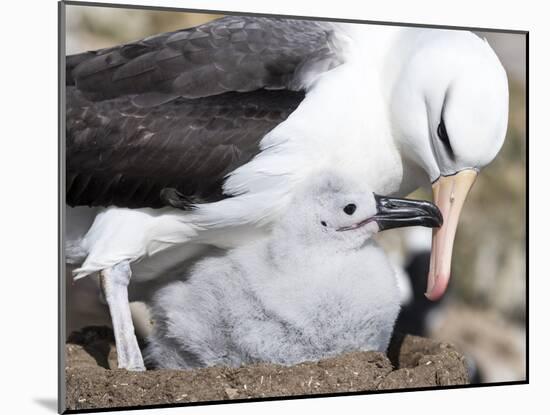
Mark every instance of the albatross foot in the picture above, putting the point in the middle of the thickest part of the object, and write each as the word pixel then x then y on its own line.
pixel 114 283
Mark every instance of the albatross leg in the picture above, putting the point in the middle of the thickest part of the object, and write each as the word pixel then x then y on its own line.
pixel 114 283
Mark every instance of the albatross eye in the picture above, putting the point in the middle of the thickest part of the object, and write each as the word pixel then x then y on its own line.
pixel 323 223
pixel 349 209
pixel 444 137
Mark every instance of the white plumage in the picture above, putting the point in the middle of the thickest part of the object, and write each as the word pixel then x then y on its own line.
pixel 305 292
pixel 377 117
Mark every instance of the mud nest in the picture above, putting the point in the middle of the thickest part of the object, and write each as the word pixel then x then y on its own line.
pixel 93 381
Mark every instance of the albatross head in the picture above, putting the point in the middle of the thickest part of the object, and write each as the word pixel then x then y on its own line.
pixel 450 109
pixel 331 210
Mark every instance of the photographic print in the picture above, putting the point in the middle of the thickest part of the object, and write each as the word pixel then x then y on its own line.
pixel 258 207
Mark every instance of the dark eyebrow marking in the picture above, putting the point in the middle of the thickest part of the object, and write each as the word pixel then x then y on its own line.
pixel 444 137
pixel 442 131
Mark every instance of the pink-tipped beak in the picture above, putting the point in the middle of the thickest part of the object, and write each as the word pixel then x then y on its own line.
pixel 449 192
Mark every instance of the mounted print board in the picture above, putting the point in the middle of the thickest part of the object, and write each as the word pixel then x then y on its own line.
pixel 261 207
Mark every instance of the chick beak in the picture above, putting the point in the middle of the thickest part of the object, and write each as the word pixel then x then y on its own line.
pixel 449 193
pixel 393 212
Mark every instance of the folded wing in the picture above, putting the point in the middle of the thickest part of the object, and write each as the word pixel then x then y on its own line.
pixel 185 108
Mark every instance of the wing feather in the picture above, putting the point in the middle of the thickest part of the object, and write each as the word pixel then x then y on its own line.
pixel 183 109
pixel 123 155
pixel 229 54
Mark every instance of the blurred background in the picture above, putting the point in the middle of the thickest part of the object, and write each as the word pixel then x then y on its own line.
pixel 483 313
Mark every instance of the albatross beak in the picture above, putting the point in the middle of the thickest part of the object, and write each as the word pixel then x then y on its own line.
pixel 397 213
pixel 450 192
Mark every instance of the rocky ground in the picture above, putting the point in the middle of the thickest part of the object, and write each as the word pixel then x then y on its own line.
pixel 94 382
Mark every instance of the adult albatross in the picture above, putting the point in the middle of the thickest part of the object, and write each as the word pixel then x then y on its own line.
pixel 199 137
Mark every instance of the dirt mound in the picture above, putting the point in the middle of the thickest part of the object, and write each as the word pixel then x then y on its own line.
pixel 94 382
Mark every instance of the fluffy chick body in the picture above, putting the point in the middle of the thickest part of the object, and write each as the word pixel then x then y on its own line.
pixel 271 302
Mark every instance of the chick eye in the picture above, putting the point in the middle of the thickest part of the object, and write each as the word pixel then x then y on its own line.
pixel 444 137
pixel 349 209
pixel 323 223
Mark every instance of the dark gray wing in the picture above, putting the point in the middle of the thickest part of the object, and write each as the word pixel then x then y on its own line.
pixel 123 155
pixel 180 110
pixel 229 54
